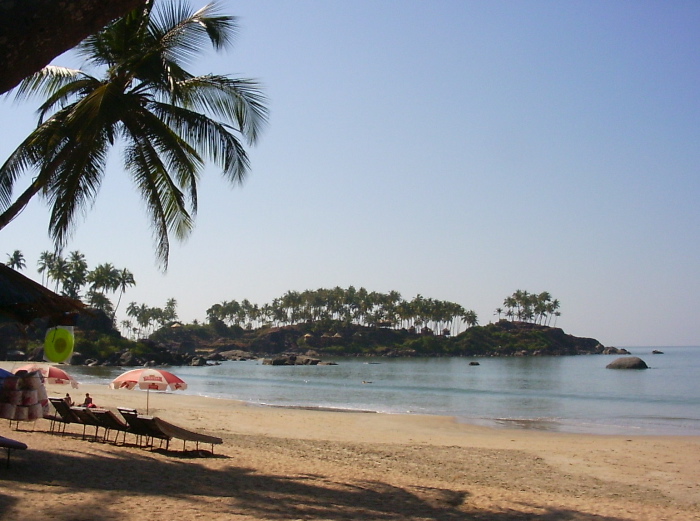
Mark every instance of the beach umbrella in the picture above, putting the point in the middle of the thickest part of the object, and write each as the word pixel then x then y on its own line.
pixel 149 378
pixel 51 374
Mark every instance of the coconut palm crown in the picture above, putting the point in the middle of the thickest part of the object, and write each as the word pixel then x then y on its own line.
pixel 167 119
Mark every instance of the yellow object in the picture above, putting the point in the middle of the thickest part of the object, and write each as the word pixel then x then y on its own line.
pixel 58 344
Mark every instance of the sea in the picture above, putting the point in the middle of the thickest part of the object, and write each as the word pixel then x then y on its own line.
pixel 574 394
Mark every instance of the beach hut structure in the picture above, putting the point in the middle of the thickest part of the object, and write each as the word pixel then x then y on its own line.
pixel 23 300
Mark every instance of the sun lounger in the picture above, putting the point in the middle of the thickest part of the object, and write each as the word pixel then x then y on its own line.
pixel 87 419
pixel 10 445
pixel 186 435
pixel 142 428
pixel 154 427
pixel 64 414
pixel 110 422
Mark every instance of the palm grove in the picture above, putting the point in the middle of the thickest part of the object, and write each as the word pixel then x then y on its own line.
pixel 344 306
pixel 70 276
pixel 321 311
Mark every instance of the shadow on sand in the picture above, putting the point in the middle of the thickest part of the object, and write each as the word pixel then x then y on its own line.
pixel 235 491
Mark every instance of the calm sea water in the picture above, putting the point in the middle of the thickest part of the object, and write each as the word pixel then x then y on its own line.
pixel 567 394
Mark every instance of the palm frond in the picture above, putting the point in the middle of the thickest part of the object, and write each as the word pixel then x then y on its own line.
pixel 183 34
pixel 46 81
pixel 237 101
pixel 178 154
pixel 65 93
pixel 75 185
pixel 116 42
pixel 141 167
pixel 34 153
pixel 164 200
pixel 210 138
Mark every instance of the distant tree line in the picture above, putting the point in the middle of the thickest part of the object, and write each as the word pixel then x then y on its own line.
pixel 538 308
pixel 350 306
pixel 145 319
pixel 71 277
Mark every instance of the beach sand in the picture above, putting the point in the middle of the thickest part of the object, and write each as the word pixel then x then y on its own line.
pixel 293 464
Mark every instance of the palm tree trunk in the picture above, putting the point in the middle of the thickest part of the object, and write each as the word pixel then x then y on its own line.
pixel 37 31
pixel 117 306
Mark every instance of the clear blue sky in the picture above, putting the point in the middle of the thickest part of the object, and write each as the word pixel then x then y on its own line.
pixel 456 149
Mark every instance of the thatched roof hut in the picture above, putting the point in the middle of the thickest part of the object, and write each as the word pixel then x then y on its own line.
pixel 23 300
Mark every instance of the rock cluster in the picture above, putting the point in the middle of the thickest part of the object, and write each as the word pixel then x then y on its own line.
pixel 291 360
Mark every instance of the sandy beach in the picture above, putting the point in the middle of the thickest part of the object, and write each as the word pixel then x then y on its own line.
pixel 294 464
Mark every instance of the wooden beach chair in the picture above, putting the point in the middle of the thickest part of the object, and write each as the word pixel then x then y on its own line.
pixel 110 422
pixel 154 427
pixel 173 431
pixel 87 419
pixel 144 430
pixel 64 415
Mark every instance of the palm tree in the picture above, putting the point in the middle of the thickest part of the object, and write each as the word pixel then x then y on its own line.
pixel 16 260
pixel 128 328
pixel 170 311
pixel 46 260
pixel 105 277
pixel 59 271
pixel 141 313
pixel 499 312
pixel 125 279
pixel 169 120
pixel 77 274
pixel 470 318
pixel 99 301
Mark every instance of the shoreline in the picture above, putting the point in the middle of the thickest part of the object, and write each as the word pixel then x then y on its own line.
pixel 289 463
pixel 584 426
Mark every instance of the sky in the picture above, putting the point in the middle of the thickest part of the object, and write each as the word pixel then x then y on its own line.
pixel 456 149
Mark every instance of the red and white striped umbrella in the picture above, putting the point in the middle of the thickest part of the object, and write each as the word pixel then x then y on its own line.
pixel 149 379
pixel 51 374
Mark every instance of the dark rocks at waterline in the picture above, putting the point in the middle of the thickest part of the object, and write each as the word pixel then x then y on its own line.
pixel 234 354
pixel 295 360
pixel 631 362
pixel 615 351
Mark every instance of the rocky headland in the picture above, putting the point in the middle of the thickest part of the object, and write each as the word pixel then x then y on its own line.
pixel 97 343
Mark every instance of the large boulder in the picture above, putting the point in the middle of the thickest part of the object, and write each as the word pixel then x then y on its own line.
pixel 629 362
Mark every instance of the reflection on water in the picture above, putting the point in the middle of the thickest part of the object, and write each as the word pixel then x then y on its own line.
pixel 549 393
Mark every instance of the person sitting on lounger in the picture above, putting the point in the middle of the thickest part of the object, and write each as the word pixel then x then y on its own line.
pixel 68 400
pixel 88 401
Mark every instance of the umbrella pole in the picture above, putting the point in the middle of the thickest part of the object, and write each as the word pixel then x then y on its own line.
pixel 148 394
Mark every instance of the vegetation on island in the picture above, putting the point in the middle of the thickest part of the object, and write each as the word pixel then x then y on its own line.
pixel 324 322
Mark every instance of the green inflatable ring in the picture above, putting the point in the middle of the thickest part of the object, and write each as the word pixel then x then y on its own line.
pixel 58 344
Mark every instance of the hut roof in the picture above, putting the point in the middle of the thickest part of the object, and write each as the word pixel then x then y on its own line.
pixel 23 300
